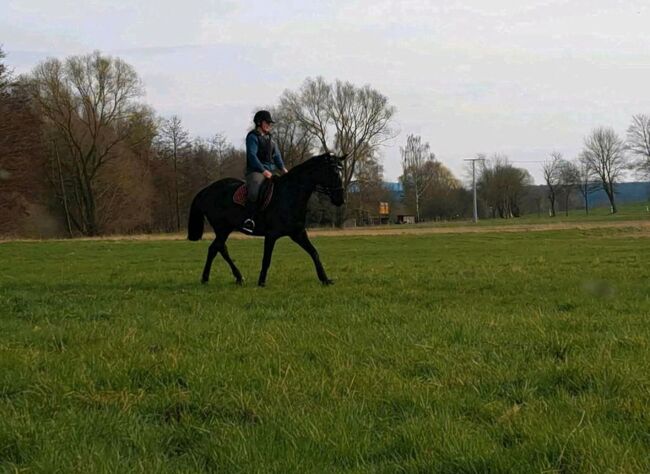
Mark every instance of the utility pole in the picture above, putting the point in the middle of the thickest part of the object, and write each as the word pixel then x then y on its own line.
pixel 474 160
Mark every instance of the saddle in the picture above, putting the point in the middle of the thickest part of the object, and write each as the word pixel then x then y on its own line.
pixel 263 199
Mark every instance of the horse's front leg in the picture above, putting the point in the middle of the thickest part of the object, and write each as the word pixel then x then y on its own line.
pixel 302 239
pixel 269 243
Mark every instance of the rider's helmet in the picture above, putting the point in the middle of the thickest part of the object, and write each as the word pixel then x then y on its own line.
pixel 262 116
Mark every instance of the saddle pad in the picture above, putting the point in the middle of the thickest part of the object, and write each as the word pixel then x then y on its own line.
pixel 241 193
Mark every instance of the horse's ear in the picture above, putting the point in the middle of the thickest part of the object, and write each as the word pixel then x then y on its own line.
pixel 345 156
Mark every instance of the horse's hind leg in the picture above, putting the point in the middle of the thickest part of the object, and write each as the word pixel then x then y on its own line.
pixel 214 248
pixel 219 245
pixel 233 267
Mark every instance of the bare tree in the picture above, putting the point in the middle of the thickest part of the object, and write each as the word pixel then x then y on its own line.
pixel 90 102
pixel 638 142
pixel 5 74
pixel 587 183
pixel 569 181
pixel 294 141
pixel 204 164
pixel 174 144
pixel 355 120
pixel 416 174
pixel 220 150
pixel 310 107
pixel 604 153
pixel 551 170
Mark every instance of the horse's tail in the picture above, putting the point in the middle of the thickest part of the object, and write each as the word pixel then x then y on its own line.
pixel 195 224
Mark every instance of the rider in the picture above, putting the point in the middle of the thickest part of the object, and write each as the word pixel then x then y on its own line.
pixel 262 159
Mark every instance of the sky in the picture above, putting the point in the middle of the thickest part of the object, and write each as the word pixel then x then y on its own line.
pixel 520 78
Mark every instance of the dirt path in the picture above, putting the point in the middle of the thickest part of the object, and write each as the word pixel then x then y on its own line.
pixel 640 228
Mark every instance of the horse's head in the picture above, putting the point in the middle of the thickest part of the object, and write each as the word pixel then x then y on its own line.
pixel 329 177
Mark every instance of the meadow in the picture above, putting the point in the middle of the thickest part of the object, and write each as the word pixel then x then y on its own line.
pixel 455 353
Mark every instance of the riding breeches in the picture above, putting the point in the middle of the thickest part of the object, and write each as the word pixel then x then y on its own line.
pixel 254 182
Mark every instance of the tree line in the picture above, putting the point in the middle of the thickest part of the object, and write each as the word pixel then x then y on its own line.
pixel 602 163
pixel 82 154
pixel 506 191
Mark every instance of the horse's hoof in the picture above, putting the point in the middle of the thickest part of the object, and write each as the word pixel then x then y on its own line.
pixel 327 282
pixel 261 284
pixel 239 282
pixel 204 280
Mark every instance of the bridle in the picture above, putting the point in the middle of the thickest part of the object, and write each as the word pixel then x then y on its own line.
pixel 327 190
pixel 330 190
pixel 323 189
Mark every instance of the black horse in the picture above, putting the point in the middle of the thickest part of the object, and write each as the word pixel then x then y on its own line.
pixel 284 215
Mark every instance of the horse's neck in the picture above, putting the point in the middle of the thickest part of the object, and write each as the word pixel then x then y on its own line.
pixel 301 186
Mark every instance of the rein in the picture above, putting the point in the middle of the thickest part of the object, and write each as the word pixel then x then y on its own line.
pixel 319 188
pixel 326 189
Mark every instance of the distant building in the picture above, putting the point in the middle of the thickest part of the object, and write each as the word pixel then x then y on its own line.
pixel 405 219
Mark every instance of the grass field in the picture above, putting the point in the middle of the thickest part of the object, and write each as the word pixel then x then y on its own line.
pixel 456 353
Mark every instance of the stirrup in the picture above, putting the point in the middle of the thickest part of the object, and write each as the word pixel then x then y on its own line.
pixel 248 226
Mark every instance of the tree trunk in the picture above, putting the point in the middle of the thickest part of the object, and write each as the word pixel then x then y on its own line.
pixel 551 198
pixel 90 217
pixel 177 200
pixel 339 216
pixel 609 190
pixel 63 193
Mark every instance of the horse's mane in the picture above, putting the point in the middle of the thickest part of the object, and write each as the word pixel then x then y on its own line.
pixel 307 164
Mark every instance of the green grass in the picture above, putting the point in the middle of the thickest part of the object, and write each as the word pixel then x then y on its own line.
pixel 465 353
pixel 626 212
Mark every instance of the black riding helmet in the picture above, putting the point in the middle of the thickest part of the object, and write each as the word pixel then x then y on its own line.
pixel 262 116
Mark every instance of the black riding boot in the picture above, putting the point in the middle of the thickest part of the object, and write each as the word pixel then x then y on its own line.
pixel 249 223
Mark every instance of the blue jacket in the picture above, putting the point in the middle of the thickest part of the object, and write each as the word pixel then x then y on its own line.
pixel 262 153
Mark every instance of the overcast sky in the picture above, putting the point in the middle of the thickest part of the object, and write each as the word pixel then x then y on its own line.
pixel 521 78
